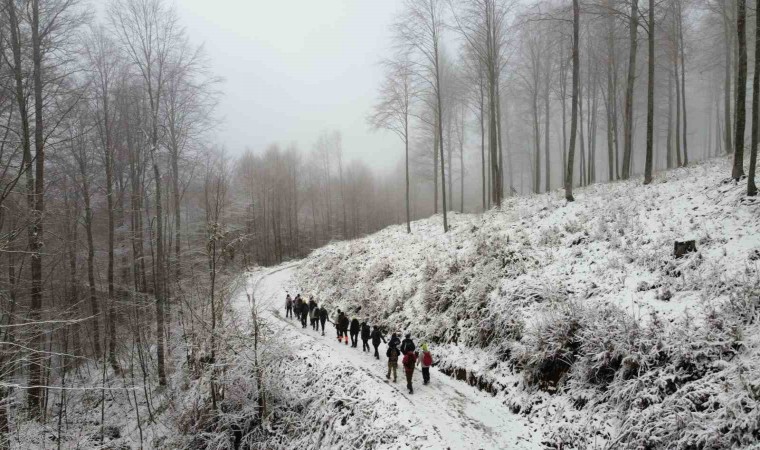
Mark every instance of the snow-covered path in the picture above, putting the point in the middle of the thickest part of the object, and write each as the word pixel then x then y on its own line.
pixel 444 414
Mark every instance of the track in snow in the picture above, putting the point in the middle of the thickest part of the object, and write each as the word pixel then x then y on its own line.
pixel 445 413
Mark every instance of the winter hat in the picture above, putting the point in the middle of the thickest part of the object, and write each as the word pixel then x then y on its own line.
pixel 424 347
pixel 408 335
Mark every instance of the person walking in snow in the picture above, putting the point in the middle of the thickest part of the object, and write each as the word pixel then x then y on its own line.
pixel 297 306
pixel 344 323
pixel 304 308
pixel 323 317
pixel 312 303
pixel 288 307
pixel 337 325
pixel 365 336
pixel 395 341
pixel 355 328
pixel 407 345
pixel 425 361
pixel 377 336
pixel 392 353
pixel 314 317
pixel 409 361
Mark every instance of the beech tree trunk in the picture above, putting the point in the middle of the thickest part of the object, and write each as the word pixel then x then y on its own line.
pixel 574 104
pixel 628 131
pixel 741 90
pixel 650 98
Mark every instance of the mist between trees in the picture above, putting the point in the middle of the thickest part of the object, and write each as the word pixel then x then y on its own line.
pixel 117 210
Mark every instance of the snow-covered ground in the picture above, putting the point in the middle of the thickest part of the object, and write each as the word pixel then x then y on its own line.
pixel 585 300
pixel 443 414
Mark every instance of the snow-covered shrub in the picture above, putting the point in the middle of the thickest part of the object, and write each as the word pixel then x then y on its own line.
pixel 380 271
pixel 551 346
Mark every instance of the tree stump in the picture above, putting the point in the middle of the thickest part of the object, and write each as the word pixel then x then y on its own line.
pixel 683 248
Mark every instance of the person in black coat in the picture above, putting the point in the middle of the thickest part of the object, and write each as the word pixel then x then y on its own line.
pixel 297 308
pixel 323 318
pixel 337 322
pixel 407 345
pixel 366 332
pixel 344 323
pixel 377 336
pixel 288 307
pixel 355 328
pixel 395 341
pixel 304 314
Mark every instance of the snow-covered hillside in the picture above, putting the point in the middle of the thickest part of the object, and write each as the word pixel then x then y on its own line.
pixel 579 313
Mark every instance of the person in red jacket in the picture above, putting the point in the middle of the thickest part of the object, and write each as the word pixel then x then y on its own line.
pixel 409 361
pixel 425 361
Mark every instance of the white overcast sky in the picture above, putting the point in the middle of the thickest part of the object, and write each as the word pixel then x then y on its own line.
pixel 295 68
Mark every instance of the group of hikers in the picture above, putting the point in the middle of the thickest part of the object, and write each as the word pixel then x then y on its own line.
pixel 306 312
pixel 406 350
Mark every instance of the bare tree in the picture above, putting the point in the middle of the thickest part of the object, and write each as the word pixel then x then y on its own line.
pixel 574 102
pixel 751 187
pixel 631 80
pixel 650 97
pixel 741 90
pixel 420 31
pixel 393 110
pixel 148 31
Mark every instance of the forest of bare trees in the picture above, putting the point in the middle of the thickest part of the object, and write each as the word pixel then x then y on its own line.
pixel 118 208
pixel 556 93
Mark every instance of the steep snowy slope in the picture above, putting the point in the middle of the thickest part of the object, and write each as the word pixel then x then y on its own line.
pixel 586 300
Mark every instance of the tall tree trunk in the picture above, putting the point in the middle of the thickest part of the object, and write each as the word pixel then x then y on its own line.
pixel 499 131
pixel 727 123
pixel 650 98
pixel 108 161
pixel 435 166
pixel 741 90
pixel 483 141
pixel 94 305
pixel 563 95
pixel 751 187
pixel 574 103
pixel 406 171
pixel 441 143
pixel 669 155
pixel 628 138
pixel 683 83
pixel 35 314
pixel 537 141
pixel 449 153
pixel 160 256
pixel 547 116
pixel 678 111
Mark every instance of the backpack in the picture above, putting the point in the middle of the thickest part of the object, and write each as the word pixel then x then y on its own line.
pixel 409 360
pixel 427 359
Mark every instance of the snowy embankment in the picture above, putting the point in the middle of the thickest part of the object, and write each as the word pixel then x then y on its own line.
pixel 579 314
pixel 330 395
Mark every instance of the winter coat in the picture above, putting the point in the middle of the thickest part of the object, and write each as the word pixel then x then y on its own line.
pixel 394 342
pixel 392 353
pixel 343 322
pixel 355 327
pixel 297 307
pixel 377 336
pixel 407 346
pixel 312 305
pixel 365 331
pixel 322 314
pixel 426 360
pixel 288 302
pixel 313 313
pixel 410 359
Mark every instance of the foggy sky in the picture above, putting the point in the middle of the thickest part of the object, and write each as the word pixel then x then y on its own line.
pixel 295 68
